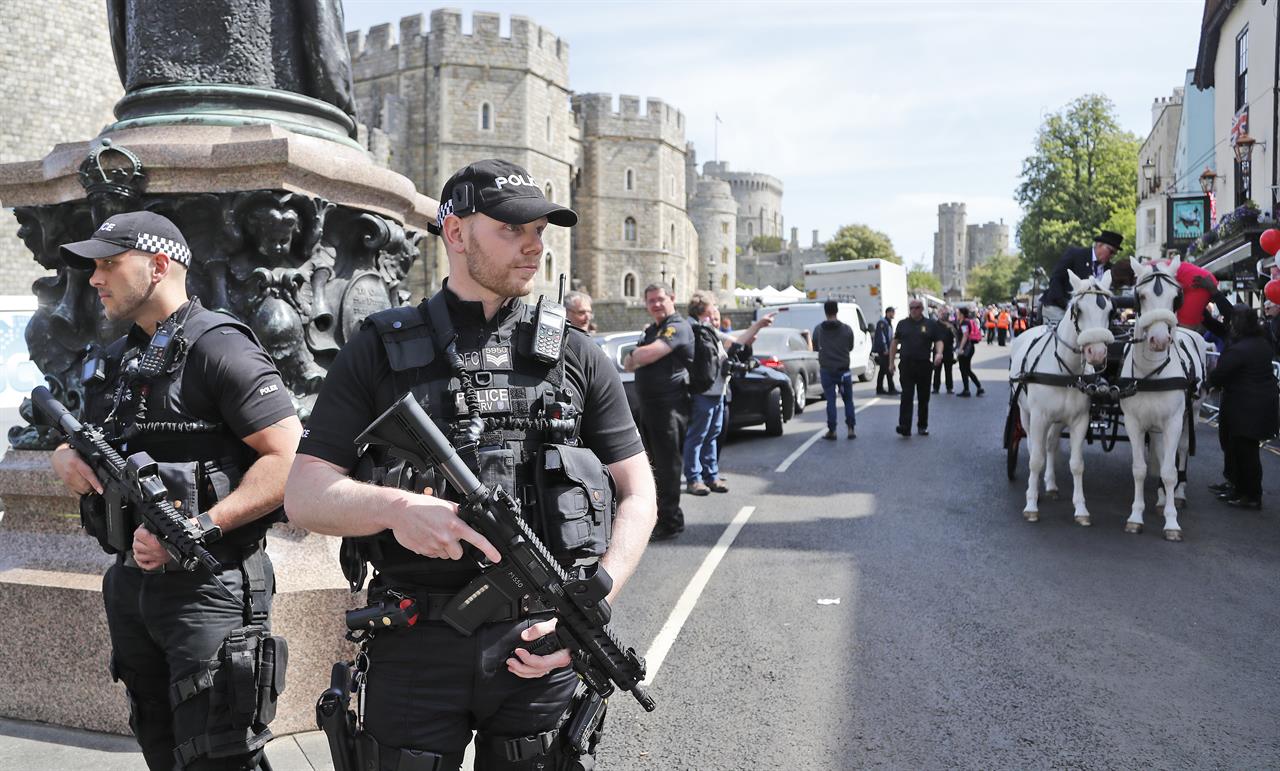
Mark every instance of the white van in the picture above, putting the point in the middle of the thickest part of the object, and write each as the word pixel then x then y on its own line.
pixel 807 315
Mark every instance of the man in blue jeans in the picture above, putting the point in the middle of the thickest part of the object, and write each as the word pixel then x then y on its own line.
pixel 833 340
pixel 706 416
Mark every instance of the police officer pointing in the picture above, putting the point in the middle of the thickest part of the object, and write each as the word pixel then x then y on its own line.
pixel 193 389
pixel 486 367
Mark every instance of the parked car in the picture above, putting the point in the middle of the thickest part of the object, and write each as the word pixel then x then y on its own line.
pixel 787 350
pixel 807 315
pixel 757 394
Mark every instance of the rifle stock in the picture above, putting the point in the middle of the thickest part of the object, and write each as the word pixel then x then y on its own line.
pixel 527 566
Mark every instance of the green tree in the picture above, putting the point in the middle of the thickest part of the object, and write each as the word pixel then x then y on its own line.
pixel 921 280
pixel 997 279
pixel 766 244
pixel 1081 178
pixel 859 242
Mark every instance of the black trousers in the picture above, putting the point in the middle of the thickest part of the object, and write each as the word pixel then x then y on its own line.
pixel 937 375
pixel 966 372
pixel 883 373
pixel 429 687
pixel 1246 466
pixel 663 424
pixel 1002 335
pixel 914 376
pixel 1224 441
pixel 164 627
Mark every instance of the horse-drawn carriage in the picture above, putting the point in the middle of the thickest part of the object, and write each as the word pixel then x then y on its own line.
pixel 1088 380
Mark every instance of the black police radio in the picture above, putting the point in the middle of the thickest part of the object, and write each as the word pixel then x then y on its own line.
pixel 165 345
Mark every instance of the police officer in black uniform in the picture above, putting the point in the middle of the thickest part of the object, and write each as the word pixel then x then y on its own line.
pixel 193 389
pixel 661 361
pixel 918 341
pixel 468 354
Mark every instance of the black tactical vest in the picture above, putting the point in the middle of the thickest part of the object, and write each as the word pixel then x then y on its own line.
pixel 566 494
pixel 200 462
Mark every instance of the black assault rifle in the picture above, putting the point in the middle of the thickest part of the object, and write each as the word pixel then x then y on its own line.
pixel 134 480
pixel 527 570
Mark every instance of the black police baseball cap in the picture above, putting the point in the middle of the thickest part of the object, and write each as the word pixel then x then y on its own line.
pixel 142 230
pixel 502 190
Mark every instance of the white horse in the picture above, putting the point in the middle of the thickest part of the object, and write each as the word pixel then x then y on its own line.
pixel 1055 356
pixel 1166 364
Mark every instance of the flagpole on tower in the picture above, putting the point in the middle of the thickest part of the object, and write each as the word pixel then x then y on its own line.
pixel 716 147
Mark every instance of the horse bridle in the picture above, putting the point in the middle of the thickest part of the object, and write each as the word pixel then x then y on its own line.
pixel 1159 278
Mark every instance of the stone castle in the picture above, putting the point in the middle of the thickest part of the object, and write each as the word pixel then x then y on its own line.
pixel 442 98
pixel 959 247
pixel 430 99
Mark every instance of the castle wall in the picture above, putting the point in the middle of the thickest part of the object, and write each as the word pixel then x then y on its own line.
pixel 633 167
pixel 448 99
pixel 48 100
pixel 985 241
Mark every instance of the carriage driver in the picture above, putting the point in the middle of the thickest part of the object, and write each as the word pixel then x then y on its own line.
pixel 1085 263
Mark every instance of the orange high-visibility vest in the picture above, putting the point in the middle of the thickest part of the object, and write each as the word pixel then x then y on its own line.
pixel 1003 321
pixel 991 319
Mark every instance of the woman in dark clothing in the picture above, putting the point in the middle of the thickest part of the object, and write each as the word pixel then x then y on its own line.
pixel 964 348
pixel 1250 404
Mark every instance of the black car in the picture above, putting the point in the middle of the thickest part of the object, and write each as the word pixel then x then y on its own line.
pixel 756 394
pixel 787 350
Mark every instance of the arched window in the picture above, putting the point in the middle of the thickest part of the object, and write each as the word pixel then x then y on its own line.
pixel 548 128
pixel 629 285
pixel 724 256
pixel 629 181
pixel 671 182
pixel 751 230
pixel 547 192
pixel 673 287
pixel 486 117
pixel 724 280
pixel 629 229
pixel 673 235
pixel 549 267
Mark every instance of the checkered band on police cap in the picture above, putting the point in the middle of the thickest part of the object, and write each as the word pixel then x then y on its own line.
pixel 156 244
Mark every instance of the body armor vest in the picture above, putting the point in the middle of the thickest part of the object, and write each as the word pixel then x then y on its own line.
pixel 498 406
pixel 200 462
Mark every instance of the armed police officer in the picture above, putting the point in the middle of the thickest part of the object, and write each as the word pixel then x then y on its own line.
pixel 194 390
pixel 491 370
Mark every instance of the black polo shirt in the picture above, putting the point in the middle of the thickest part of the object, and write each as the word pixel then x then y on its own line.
pixel 667 377
pixel 916 338
pixel 359 388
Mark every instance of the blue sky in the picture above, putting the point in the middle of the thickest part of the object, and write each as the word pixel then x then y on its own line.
pixel 869 112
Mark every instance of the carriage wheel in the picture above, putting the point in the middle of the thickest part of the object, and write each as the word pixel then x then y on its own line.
pixel 1013 434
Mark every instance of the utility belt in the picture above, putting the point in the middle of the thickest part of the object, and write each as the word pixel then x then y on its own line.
pixel 400 606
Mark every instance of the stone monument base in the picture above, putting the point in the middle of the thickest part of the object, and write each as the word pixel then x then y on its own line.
pixel 56 647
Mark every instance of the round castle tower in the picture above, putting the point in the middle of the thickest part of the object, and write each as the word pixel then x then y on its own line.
pixel 759 198
pixel 715 216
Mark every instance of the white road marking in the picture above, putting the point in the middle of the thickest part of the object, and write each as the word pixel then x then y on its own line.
pixel 786 464
pixel 661 645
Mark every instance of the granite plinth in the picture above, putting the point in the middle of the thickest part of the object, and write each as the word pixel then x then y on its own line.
pixel 222 159
pixel 57 645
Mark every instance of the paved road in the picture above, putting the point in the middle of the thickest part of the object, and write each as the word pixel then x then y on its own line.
pixel 963 637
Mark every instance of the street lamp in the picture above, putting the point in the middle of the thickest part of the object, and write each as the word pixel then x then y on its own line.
pixel 1244 148
pixel 1207 180
pixel 1149 174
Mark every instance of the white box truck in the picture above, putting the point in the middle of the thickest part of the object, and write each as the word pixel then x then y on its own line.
pixel 873 284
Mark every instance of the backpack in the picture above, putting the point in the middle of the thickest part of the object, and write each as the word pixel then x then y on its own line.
pixel 975 331
pixel 705 366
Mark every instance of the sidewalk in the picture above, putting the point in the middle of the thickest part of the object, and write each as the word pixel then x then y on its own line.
pixel 43 747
